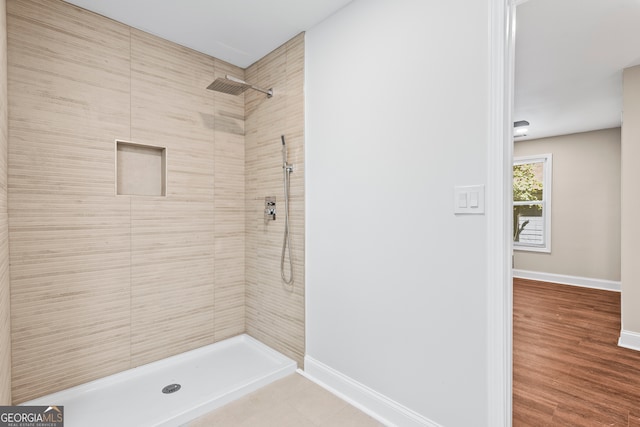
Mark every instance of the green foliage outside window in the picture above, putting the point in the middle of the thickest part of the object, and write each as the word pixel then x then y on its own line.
pixel 527 187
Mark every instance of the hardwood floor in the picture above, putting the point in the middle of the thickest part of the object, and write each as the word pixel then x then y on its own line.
pixel 567 367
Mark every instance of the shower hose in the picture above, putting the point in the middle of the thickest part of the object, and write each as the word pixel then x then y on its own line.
pixel 286 242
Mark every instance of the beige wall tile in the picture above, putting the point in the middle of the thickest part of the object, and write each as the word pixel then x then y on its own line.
pixel 69 291
pixel 171 107
pixel 275 313
pixel 229 215
pixel 172 238
pixel 68 100
pixel 172 277
pixel 5 326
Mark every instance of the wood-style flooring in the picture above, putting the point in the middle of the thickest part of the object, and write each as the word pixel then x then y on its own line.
pixel 567 367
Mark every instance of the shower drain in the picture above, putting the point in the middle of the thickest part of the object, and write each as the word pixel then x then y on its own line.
pixel 171 388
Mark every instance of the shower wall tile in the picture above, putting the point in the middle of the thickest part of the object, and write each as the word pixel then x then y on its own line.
pixel 4 119
pixel 69 292
pixel 172 237
pixel 5 319
pixel 5 296
pixel 172 277
pixel 69 238
pixel 229 193
pixel 171 107
pixel 101 283
pixel 275 311
pixel 68 92
pixel 229 301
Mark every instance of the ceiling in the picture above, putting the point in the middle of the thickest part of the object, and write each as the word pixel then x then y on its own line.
pixel 236 31
pixel 569 60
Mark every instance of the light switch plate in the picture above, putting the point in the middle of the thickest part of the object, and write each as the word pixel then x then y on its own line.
pixel 469 199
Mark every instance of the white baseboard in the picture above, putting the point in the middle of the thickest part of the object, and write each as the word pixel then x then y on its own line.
pixel 376 405
pixel 585 282
pixel 630 340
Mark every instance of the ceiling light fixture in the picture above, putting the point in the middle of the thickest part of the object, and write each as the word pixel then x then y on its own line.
pixel 520 128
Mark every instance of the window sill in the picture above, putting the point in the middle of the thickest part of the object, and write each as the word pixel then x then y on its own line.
pixel 532 249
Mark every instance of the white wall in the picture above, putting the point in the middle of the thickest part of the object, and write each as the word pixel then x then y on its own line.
pixel 397 98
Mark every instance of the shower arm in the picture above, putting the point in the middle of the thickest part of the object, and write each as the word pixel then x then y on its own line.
pixel 269 92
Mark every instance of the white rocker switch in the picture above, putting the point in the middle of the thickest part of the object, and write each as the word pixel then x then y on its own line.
pixel 469 200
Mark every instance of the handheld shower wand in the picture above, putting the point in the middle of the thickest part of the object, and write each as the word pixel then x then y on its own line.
pixel 284 151
pixel 286 171
pixel 285 165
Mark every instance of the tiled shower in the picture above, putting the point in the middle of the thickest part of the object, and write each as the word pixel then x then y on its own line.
pixel 99 282
pixel 5 326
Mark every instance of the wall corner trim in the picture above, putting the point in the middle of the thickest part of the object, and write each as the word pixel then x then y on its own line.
pixel 630 340
pixel 584 282
pixel 498 204
pixel 369 401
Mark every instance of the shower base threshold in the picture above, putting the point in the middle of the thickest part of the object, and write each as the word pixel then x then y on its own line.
pixel 209 377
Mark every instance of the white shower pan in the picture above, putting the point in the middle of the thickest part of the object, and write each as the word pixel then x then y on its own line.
pixel 209 377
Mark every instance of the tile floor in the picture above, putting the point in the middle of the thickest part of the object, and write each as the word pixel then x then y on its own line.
pixel 293 401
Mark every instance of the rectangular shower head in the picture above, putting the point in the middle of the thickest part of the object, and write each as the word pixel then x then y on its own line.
pixel 234 86
pixel 229 85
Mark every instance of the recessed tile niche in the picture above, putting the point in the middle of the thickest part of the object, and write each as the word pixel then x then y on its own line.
pixel 140 169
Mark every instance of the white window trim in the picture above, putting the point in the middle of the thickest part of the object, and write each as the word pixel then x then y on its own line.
pixel 547 186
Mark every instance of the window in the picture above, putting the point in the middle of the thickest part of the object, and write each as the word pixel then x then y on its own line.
pixel 532 203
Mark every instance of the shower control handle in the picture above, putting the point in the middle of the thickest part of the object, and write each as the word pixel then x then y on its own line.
pixel 269 208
